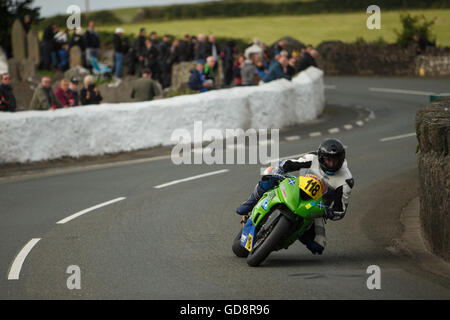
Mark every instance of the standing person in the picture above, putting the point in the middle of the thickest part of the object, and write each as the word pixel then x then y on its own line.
pixel 74 89
pixel 145 88
pixel 136 58
pixel 90 94
pixel 139 43
pixel 308 59
pixel 290 68
pixel 174 57
pixel 64 95
pixel 119 51
pixel 248 71
pixel 7 98
pixel 92 43
pixel 280 46
pixel 186 49
pixel 213 49
pixel 254 48
pixel 237 65
pixel 194 42
pixel 164 53
pixel 208 70
pixel 64 57
pixel 26 23
pixel 201 48
pixel 422 43
pixel 260 69
pixel 77 39
pixel 43 97
pixel 154 39
pixel 150 55
pixel 47 45
pixel 229 55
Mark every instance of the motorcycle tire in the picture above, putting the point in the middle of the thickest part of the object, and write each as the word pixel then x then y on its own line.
pixel 279 231
pixel 237 248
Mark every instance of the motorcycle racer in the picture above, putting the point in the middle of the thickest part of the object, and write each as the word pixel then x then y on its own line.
pixel 329 162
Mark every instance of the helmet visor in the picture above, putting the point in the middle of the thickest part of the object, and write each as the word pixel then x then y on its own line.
pixel 330 162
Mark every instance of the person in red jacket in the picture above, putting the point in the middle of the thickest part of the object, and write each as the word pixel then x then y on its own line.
pixel 64 95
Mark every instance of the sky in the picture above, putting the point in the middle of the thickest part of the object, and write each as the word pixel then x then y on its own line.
pixel 53 7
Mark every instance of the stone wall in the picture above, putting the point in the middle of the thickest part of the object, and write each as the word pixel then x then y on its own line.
pixel 433 134
pixel 338 58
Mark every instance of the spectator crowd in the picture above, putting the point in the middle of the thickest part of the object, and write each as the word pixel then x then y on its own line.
pixel 152 58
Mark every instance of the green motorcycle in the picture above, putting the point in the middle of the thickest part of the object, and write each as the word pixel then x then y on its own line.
pixel 280 216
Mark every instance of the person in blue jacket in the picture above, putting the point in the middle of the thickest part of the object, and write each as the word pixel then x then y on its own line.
pixel 197 80
pixel 277 70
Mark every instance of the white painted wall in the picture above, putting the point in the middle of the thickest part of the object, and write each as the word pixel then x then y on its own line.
pixel 109 128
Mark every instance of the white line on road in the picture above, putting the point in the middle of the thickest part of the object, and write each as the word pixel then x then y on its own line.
pixel 76 215
pixel 415 92
pixel 315 134
pixel 348 126
pixel 16 266
pixel 333 130
pixel 398 137
pixel 191 178
pixel 292 138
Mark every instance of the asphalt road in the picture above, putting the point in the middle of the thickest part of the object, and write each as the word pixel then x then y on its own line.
pixel 174 242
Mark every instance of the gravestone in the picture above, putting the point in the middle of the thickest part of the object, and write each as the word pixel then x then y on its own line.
pixel 33 47
pixel 75 57
pixel 3 62
pixel 180 75
pixel 78 72
pixel 27 69
pixel 18 41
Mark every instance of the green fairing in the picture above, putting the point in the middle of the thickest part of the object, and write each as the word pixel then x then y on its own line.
pixel 293 202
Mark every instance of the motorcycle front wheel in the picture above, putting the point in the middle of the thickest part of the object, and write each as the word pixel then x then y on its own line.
pixel 237 248
pixel 278 233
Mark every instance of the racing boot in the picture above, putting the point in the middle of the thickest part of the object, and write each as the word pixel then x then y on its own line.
pixel 246 207
pixel 262 186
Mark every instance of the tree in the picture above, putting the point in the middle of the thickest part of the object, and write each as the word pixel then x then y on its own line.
pixel 11 10
pixel 412 25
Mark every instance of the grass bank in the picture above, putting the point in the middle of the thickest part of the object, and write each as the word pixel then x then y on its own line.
pixel 313 28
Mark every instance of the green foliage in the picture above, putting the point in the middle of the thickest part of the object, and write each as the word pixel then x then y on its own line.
pixel 380 41
pixel 104 17
pixel 360 41
pixel 181 93
pixel 412 25
pixel 9 11
pixel 234 8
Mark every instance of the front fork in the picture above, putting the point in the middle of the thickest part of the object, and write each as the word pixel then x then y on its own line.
pixel 244 219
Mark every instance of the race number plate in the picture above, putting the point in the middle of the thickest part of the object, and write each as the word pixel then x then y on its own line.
pixel 247 235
